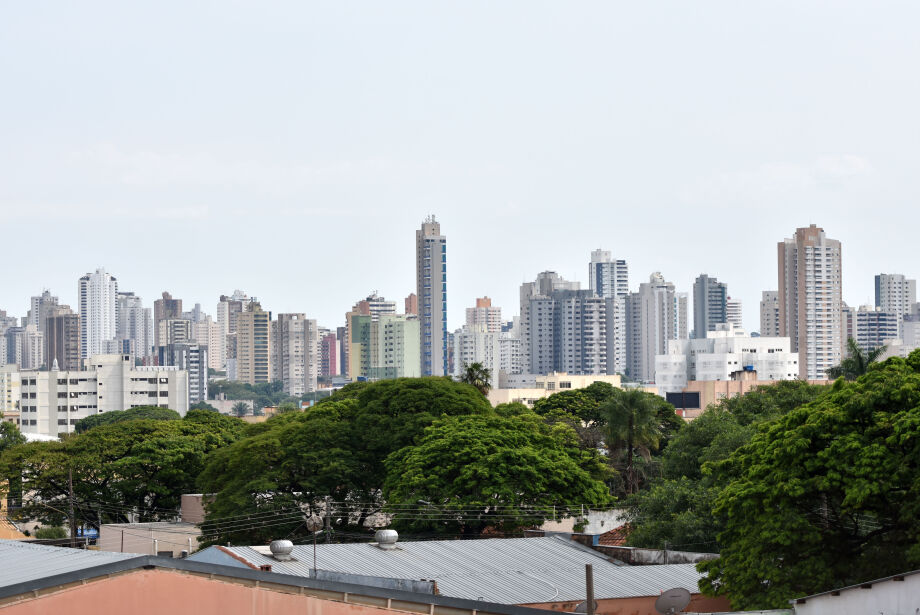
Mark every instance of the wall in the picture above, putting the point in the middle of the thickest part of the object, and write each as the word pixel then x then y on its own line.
pixel 139 538
pixel 884 597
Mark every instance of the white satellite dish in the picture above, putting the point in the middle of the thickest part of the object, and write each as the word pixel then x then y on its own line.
pixel 672 601
pixel 583 607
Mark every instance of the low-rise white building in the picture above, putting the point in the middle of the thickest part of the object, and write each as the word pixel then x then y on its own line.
pixel 53 401
pixel 721 353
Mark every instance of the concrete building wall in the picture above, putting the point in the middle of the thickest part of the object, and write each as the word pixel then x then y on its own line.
pixel 149 538
pixel 431 288
pixel 769 313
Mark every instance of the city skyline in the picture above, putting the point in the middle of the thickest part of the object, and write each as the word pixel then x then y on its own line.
pixel 683 140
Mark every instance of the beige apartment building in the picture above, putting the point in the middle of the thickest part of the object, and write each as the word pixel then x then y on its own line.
pixel 253 345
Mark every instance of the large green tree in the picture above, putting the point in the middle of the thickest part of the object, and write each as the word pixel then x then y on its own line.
pixel 475 472
pixel 336 449
pixel 856 363
pixel 478 376
pixel 825 496
pixel 140 466
pixel 154 413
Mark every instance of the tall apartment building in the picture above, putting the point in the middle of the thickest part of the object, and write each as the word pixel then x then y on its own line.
pixel 53 401
pixel 411 304
pixel 191 358
pixel 733 312
pixel 208 332
pixel 474 343
pixel 710 305
pixel 875 328
pixel 134 325
pixel 373 306
pixel 253 345
pixel 394 347
pixel 847 325
pixel 568 333
pixel 40 306
pixel 810 299
pixel 545 284
pixel 329 355
pixel 894 293
pixel 295 356
pixel 654 315
pixel 62 339
pixel 228 310
pixel 484 313
pixel 97 294
pixel 431 288
pixel 769 313
pixel 174 331
pixel 609 278
pixel 24 347
pixel 165 308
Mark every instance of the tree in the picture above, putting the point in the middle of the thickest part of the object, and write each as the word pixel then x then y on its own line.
pixel 825 496
pixel 239 409
pixel 633 426
pixel 10 436
pixel 140 465
pixel 202 405
pixel 154 413
pixel 478 376
pixel 292 461
pixel 856 363
pixel 50 532
pixel 487 471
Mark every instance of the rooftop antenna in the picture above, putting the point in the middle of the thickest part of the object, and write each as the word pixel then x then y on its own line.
pixel 672 601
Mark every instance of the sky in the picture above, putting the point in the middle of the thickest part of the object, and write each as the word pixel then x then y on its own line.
pixel 291 149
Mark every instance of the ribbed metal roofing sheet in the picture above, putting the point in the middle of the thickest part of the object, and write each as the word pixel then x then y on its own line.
pixel 503 570
pixel 21 561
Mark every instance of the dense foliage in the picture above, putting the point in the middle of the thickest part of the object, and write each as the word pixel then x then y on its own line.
pixel 154 413
pixel 137 466
pixel 825 496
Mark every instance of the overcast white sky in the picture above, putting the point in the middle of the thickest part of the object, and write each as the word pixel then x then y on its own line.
pixel 291 149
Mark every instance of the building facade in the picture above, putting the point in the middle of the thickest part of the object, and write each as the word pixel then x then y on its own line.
pixel 192 358
pixel 654 315
pixel 295 354
pixel 875 328
pixel 710 305
pixel 484 313
pixel 431 289
pixel 810 299
pixel 97 294
pixel 894 293
pixel 769 313
pixel 134 325
pixel 253 345
pixel 53 401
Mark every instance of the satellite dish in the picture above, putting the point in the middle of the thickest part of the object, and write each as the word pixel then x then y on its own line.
pixel 672 601
pixel 583 607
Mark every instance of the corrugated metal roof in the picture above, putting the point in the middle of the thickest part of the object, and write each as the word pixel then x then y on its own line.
pixel 21 562
pixel 502 570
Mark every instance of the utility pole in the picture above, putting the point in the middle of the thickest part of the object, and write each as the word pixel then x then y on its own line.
pixel 589 587
pixel 328 519
pixel 73 520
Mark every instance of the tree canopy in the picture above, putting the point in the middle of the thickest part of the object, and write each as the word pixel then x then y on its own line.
pixel 826 496
pixel 154 413
pixel 488 471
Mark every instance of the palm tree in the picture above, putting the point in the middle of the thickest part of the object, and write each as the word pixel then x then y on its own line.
pixel 478 376
pixel 240 408
pixel 632 427
pixel 857 362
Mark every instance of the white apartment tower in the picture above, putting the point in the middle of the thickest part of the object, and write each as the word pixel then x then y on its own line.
pixel 733 312
pixel 895 294
pixel 485 314
pixel 609 278
pixel 295 353
pixel 545 285
pixel 134 326
pixel 431 287
pixel 98 294
pixel 810 299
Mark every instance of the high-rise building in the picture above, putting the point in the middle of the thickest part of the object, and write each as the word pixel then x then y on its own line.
pixel 41 306
pixel 710 299
pixel 733 312
pixel 228 310
pixel 191 358
pixel 62 339
pixel 165 308
pixel 568 333
pixel 769 314
pixel 875 328
pixel 253 345
pixel 24 346
pixel 474 343
pixel 609 278
pixel 431 288
pixel 847 324
pixel 134 328
pixel 295 353
pixel 810 299
pixel 485 314
pixel 894 293
pixel 174 331
pixel 394 347
pixel 209 333
pixel 98 323
pixel 544 285
pixel 654 315
pixel 328 355
pixel 412 304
